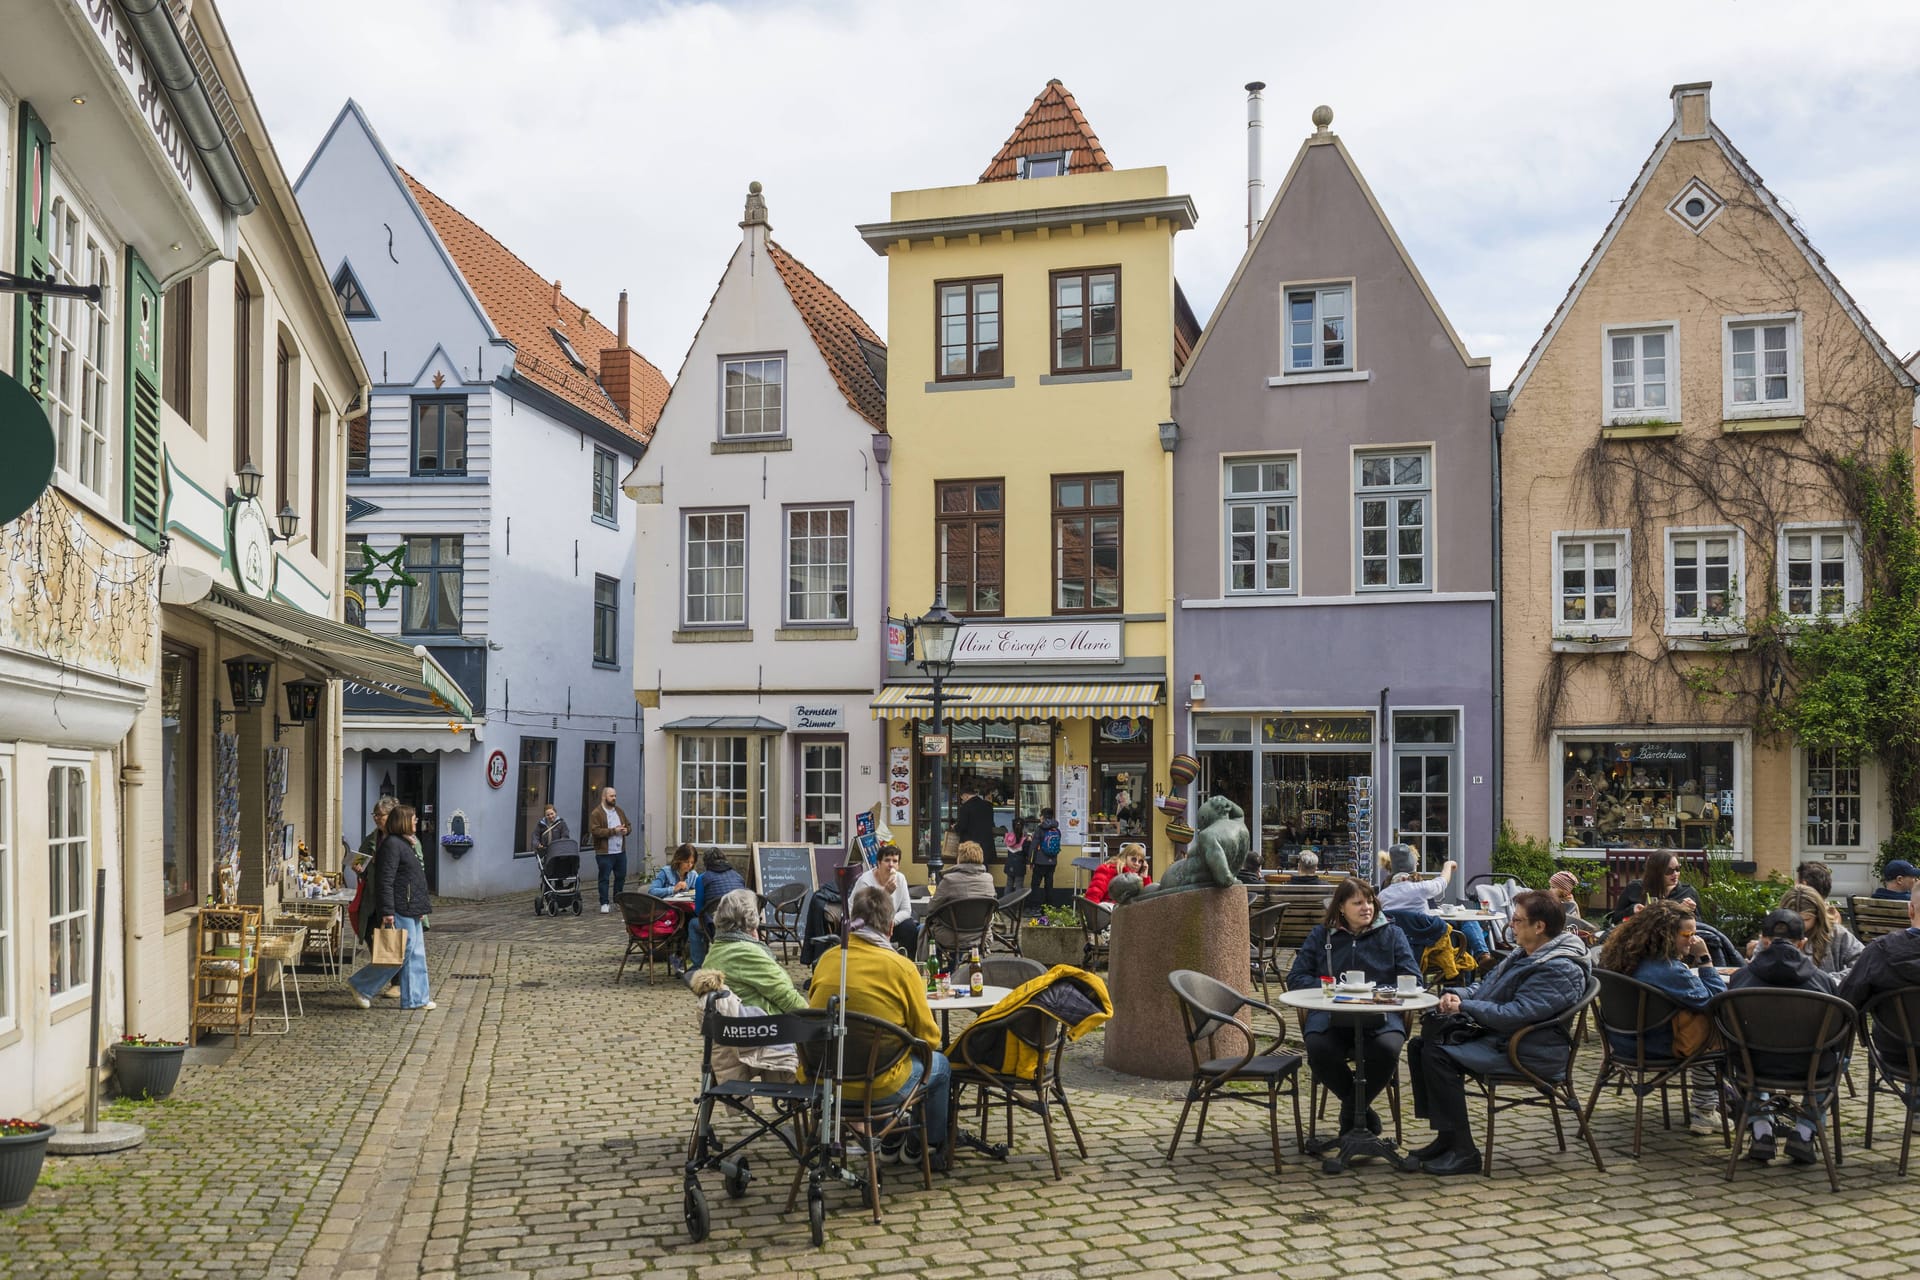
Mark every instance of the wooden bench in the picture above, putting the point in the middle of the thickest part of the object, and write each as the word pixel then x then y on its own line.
pixel 1306 906
pixel 1876 917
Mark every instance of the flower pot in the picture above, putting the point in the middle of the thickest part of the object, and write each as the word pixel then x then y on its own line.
pixel 147 1070
pixel 1053 944
pixel 20 1160
pixel 458 848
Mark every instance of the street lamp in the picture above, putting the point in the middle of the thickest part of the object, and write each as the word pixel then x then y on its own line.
pixel 937 631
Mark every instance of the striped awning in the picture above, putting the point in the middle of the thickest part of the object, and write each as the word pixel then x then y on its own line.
pixel 1008 701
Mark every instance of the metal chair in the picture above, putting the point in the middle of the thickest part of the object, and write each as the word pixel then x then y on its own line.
pixel 643 913
pixel 1006 919
pixel 781 917
pixel 1263 932
pixel 1010 971
pixel 1786 1042
pixel 1045 1035
pixel 1208 1007
pixel 1553 1091
pixel 955 928
pixel 1094 919
pixel 1631 1012
pixel 1891 1025
pixel 874 1047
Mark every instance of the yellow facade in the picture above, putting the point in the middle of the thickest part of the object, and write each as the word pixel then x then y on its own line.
pixel 1040 425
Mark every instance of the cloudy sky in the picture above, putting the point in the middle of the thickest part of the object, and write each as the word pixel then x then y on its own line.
pixel 610 142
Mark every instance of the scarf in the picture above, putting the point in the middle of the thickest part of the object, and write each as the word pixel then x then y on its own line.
pixel 861 929
pixel 734 935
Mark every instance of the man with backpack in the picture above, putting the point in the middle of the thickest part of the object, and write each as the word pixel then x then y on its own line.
pixel 1046 856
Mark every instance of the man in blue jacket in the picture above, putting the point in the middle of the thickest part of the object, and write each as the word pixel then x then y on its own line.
pixel 1541 980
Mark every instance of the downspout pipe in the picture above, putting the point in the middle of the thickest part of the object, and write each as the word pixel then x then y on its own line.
pixel 160 39
pixel 882 446
pixel 1498 402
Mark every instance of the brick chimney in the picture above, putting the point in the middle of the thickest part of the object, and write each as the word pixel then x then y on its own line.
pixel 620 367
pixel 1691 111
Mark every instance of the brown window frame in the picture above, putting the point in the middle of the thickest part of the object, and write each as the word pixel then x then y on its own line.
pixel 317 490
pixel 1085 276
pixel 242 373
pixel 974 373
pixel 176 321
pixel 971 519
pixel 1089 512
pixel 282 426
pixel 190 744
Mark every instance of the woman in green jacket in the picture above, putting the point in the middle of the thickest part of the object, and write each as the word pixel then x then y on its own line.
pixel 748 965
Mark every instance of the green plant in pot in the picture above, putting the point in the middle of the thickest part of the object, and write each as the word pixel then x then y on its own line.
pixel 1053 936
pixel 23 1148
pixel 147 1067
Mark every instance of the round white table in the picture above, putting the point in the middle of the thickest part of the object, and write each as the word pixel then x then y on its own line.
pixel 1359 1140
pixel 961 999
pixel 1452 917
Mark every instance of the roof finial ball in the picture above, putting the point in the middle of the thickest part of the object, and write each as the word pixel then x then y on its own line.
pixel 1322 117
pixel 756 215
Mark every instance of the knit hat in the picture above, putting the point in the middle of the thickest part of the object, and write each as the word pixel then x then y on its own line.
pixel 1564 880
pixel 1401 860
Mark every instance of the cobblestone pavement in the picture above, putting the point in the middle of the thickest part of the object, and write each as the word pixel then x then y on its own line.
pixel 534 1124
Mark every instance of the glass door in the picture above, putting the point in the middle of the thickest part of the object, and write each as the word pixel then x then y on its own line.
pixel 823 792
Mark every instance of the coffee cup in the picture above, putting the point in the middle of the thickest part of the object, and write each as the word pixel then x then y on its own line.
pixel 1354 978
pixel 1407 984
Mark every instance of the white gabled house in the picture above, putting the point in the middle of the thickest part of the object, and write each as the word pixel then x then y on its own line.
pixel 487 468
pixel 760 535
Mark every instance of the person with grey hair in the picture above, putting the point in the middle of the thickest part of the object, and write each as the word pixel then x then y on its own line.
pixel 747 963
pixel 1306 868
pixel 882 983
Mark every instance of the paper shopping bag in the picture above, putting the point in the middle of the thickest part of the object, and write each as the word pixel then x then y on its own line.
pixel 389 946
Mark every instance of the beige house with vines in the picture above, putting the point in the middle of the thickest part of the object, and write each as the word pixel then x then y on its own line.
pixel 1675 506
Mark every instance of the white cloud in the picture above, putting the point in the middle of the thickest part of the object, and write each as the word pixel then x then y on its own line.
pixel 610 144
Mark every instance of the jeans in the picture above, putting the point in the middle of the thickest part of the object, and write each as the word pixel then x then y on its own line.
pixel 413 970
pixel 1043 883
pixel 613 866
pixel 1328 1051
pixel 940 1117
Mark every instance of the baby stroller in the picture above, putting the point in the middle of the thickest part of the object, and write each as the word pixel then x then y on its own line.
pixel 559 878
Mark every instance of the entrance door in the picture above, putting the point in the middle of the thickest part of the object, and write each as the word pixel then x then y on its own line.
pixel 823 792
pixel 1424 756
pixel 417 782
pixel 595 776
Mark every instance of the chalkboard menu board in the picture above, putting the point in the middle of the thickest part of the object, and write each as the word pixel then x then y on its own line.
pixel 778 864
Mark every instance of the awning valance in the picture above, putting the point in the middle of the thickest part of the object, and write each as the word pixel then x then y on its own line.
pixel 1007 701
pixel 404 735
pixel 723 724
pixel 407 672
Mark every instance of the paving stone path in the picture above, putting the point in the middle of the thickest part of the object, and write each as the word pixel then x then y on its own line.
pixel 534 1124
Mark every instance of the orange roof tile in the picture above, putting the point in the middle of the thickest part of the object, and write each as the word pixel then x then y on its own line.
pixel 1053 123
pixel 526 309
pixel 850 347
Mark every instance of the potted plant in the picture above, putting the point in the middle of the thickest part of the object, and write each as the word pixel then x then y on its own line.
pixel 1053 936
pixel 144 1067
pixel 457 845
pixel 23 1146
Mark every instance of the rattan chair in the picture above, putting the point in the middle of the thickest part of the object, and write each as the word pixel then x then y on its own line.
pixel 874 1047
pixel 954 928
pixel 1630 1011
pixel 1006 920
pixel 642 913
pixel 1042 1032
pixel 1553 1091
pixel 780 917
pixel 1891 1023
pixel 1782 1041
pixel 1208 1007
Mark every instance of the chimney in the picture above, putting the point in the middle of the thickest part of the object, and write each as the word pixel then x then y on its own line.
pixel 620 370
pixel 1256 191
pixel 1691 116
pixel 556 293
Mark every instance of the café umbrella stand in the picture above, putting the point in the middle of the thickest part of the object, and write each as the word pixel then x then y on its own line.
pixel 97 1136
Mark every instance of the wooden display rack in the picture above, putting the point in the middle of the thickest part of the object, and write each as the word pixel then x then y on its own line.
pixel 226 969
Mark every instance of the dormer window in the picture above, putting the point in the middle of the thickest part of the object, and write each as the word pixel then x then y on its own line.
pixel 351 297
pixel 566 349
pixel 1052 164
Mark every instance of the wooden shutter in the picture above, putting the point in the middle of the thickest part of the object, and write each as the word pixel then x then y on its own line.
pixel 31 337
pixel 145 460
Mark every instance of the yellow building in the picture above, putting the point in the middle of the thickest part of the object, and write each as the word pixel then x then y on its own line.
pixel 1034 324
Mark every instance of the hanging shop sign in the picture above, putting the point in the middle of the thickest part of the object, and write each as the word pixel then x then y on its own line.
pixel 1126 729
pixel 896 641
pixel 933 744
pixel 1039 642
pixel 816 717
pixel 250 548
pixel 26 442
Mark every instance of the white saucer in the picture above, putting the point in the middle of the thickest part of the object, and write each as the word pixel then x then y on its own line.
pixel 1345 990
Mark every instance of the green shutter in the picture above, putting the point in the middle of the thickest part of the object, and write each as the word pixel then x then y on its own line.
pixel 143 454
pixel 30 319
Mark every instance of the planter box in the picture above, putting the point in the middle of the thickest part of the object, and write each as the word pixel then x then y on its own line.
pixel 20 1160
pixel 1053 944
pixel 147 1071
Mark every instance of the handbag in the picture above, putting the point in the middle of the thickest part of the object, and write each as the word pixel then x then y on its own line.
pixel 1450 1028
pixel 389 947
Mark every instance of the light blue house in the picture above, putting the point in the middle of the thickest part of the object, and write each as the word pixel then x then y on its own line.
pixel 486 469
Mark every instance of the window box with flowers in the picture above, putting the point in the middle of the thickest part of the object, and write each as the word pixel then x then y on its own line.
pixel 23 1148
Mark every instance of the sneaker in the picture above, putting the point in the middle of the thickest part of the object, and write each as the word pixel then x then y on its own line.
pixel 421 1007
pixel 1705 1123
pixel 361 1000
pixel 1800 1148
pixel 392 992
pixel 604 908
pixel 901 1148
pixel 1762 1148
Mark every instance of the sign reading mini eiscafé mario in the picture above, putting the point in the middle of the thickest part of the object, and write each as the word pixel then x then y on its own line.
pixel 1039 642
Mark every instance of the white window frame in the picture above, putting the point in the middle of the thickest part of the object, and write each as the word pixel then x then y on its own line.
pixel 610 490
pixel 1319 289
pixel 1735 621
pixel 82 341
pixel 1621 624
pixel 1640 411
pixel 702 751
pixel 1850 543
pixel 1794 403
pixel 1260 501
pixel 59 865
pixel 1392 495
pixel 9 953
pixel 788 593
pixel 775 360
pixel 687 595
pixel 1863 797
pixel 836 791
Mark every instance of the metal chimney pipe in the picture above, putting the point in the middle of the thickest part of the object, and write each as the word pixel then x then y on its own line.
pixel 1256 191
pixel 623 320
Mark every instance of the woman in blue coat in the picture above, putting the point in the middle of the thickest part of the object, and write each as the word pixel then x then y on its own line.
pixel 1355 935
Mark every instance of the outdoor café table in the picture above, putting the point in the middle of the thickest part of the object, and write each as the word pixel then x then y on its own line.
pixel 1357 1141
pixel 1452 914
pixel 960 999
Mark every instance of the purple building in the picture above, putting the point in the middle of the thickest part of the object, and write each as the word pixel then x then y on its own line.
pixel 1334 515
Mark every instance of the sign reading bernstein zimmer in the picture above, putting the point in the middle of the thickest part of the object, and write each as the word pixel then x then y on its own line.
pixel 1039 642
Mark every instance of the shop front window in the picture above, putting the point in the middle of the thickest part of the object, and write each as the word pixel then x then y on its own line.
pixel 1293 774
pixel 1122 763
pixel 1832 799
pixel 1661 794
pixel 711 795
pixel 179 771
pixel 1010 762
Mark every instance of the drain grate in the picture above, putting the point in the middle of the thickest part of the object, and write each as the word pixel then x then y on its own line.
pixel 532 982
pixel 477 977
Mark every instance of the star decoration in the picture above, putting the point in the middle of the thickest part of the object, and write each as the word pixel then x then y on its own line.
pixel 391 561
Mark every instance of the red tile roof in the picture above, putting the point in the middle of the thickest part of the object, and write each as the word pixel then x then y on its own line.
pixel 1053 123
pixel 852 350
pixel 527 308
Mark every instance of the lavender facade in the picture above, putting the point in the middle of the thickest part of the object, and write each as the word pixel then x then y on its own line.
pixel 1334 487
